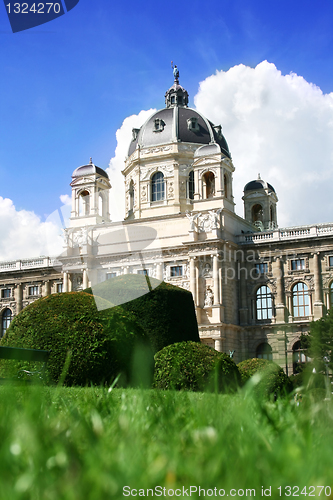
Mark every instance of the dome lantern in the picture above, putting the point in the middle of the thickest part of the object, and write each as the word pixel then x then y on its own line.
pixel 176 95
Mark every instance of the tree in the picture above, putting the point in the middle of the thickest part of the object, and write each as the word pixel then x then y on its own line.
pixel 318 344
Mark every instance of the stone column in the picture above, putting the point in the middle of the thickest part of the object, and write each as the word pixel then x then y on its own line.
pixel 85 282
pixel 216 288
pixel 280 308
pixel 46 288
pixel 218 345
pixel 159 271
pixel 318 304
pixel 290 306
pixel 193 284
pixel 197 187
pixel 18 297
pixel 65 281
pixel 176 183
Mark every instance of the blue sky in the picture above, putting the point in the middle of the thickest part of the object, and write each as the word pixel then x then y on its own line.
pixel 67 86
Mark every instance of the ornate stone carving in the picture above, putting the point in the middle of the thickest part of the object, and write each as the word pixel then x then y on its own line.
pixel 155 150
pixel 184 169
pixel 147 172
pixel 206 269
pixel 210 220
pixel 182 189
pixel 144 193
pixel 203 170
pixel 192 218
pixel 80 237
pixel 209 298
pixel 170 190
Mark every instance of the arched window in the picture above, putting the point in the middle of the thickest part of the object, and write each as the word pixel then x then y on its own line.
pixel 209 180
pixel 257 213
pixel 301 302
pixel 6 320
pixel 264 303
pixel 157 187
pixel 264 351
pixel 225 180
pixel 191 185
pixel 84 203
pixel 299 358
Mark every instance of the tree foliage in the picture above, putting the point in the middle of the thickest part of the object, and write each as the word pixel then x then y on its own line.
pixel 272 380
pixel 166 313
pixel 194 366
pixel 102 343
pixel 318 344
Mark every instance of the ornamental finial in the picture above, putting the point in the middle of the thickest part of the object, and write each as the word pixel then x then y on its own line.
pixel 90 163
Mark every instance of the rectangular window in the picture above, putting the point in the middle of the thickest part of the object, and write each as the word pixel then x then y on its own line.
pixel 59 287
pixel 330 259
pixel 6 293
pixel 298 264
pixel 110 275
pixel 142 271
pixel 176 271
pixel 33 290
pixel 262 268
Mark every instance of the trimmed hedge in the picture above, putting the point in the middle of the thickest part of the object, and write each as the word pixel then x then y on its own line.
pixel 274 380
pixel 166 314
pixel 194 366
pixel 102 343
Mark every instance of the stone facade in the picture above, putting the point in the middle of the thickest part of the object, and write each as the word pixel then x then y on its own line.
pixel 255 286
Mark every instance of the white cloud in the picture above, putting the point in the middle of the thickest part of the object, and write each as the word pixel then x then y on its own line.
pixel 280 126
pixel 117 164
pixel 23 235
pixel 66 199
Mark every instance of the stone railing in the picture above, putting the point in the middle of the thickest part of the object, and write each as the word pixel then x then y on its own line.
pixel 285 234
pixel 23 264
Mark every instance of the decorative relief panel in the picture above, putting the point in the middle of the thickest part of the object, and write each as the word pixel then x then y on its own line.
pixel 170 190
pixel 203 170
pixel 147 172
pixel 155 150
pixel 184 169
pixel 210 220
pixel 144 193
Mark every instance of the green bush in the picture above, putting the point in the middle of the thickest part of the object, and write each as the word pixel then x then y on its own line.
pixel 102 343
pixel 166 313
pixel 273 380
pixel 195 367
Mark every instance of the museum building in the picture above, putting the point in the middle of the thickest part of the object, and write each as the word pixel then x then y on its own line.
pixel 255 286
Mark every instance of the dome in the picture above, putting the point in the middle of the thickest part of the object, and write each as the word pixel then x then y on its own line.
pixel 258 184
pixel 178 123
pixel 89 169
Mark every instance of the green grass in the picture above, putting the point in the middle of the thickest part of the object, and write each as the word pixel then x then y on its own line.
pixel 88 443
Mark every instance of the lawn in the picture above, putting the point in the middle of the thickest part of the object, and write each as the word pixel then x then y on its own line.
pixel 91 443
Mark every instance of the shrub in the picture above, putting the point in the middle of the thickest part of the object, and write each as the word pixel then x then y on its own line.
pixel 273 379
pixel 102 343
pixel 194 366
pixel 166 313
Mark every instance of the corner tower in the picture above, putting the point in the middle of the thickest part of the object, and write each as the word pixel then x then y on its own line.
pixel 90 196
pixel 260 201
pixel 177 161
